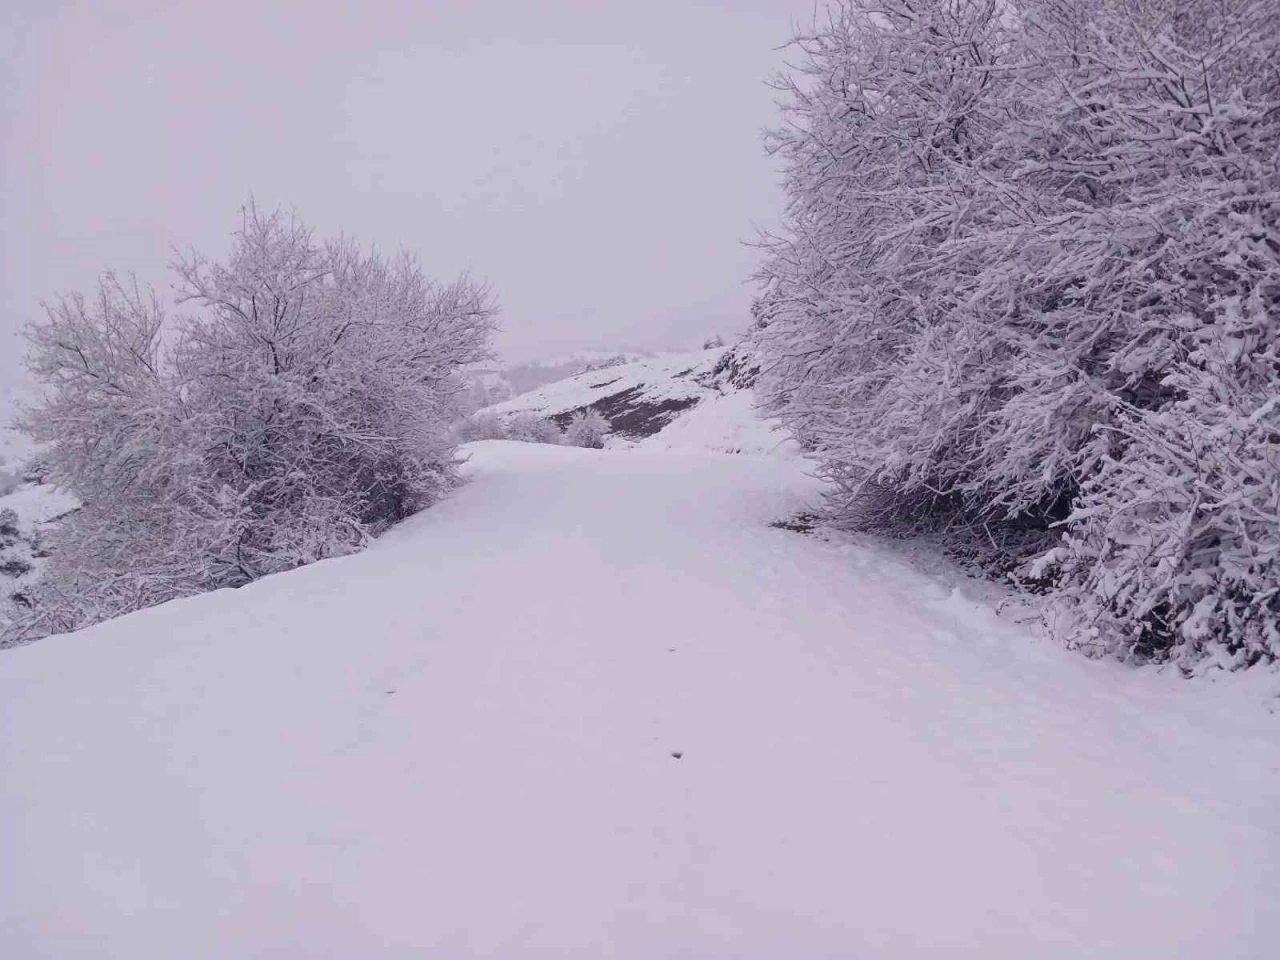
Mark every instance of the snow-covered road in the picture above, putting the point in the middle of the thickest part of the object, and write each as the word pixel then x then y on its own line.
pixel 593 705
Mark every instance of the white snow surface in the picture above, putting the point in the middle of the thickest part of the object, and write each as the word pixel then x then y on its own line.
pixel 460 744
pixel 37 503
pixel 725 423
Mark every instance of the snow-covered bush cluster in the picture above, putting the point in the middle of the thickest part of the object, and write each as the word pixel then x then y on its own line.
pixel 301 405
pixel 585 428
pixel 531 428
pixel 479 426
pixel 1028 293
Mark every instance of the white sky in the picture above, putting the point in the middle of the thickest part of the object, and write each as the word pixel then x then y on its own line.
pixel 599 163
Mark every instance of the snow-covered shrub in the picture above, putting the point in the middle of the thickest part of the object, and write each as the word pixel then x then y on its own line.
pixel 1175 541
pixel 588 428
pixel 525 426
pixel 480 426
pixel 1028 272
pixel 302 405
pixel 8 482
pixel 531 428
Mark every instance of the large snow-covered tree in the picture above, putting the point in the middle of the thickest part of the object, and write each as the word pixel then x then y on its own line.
pixel 300 404
pixel 1028 276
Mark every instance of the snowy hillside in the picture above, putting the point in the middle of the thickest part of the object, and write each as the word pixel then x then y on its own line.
pixel 593 704
pixel 725 422
pixel 692 401
pixel 637 398
pixel 524 377
pixel 490 384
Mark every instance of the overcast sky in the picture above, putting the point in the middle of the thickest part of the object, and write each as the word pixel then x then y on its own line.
pixel 600 163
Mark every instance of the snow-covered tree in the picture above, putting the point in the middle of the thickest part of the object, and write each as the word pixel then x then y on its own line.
pixel 302 404
pixel 1028 270
pixel 588 428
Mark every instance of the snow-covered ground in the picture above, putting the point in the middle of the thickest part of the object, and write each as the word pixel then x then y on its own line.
pixel 594 705
pixel 725 422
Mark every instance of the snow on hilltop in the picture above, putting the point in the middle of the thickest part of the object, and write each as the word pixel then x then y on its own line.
pixel 494 384
pixel 698 401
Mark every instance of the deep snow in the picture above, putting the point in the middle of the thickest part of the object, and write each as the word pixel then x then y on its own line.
pixel 460 743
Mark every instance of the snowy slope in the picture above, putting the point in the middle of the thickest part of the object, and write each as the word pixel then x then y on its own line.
pixel 505 381
pixel 693 401
pixel 462 743
pixel 638 398
pixel 535 373
pixel 725 422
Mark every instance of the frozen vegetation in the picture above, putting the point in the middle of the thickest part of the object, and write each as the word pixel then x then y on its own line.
pixel 356 643
pixel 301 406
pixel 1027 296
